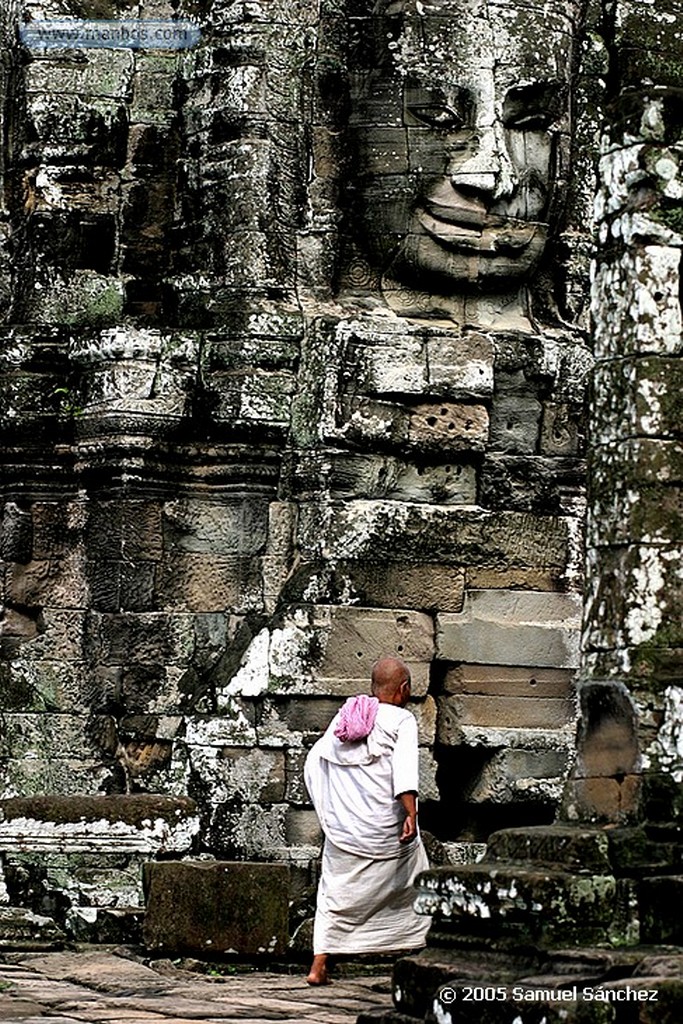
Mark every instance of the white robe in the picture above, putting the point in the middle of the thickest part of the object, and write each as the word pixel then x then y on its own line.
pixel 365 896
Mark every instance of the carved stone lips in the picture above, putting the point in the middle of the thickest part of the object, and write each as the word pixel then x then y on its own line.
pixel 469 226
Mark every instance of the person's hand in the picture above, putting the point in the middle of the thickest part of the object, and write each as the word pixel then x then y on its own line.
pixel 409 830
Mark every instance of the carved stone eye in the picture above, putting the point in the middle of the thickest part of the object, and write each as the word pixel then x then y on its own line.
pixel 533 121
pixel 534 107
pixel 438 116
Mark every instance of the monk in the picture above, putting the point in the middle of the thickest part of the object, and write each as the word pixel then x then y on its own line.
pixel 362 776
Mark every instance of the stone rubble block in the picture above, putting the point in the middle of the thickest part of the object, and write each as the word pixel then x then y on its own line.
pixel 23 929
pixel 124 824
pixel 514 776
pixel 512 628
pixel 217 907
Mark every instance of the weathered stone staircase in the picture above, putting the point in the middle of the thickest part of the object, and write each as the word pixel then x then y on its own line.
pixel 552 916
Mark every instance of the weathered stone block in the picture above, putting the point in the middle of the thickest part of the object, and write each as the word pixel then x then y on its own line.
pixel 423 587
pixel 16 534
pixel 411 532
pixel 211 528
pixel 424 711
pixel 659 907
pixel 206 583
pixel 456 425
pixel 250 774
pixel 327 649
pixel 602 800
pixel 220 908
pixel 59 637
pixel 533 482
pixel 302 828
pixel 498 712
pixel 515 424
pixel 427 766
pixel 359 636
pixel 147 638
pixel 508 681
pixel 249 830
pixel 361 475
pixel 513 628
pixel 235 727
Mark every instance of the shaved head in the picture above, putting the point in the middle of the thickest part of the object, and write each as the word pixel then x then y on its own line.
pixel 391 681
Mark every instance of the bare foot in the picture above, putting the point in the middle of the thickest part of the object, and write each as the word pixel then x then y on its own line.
pixel 318 972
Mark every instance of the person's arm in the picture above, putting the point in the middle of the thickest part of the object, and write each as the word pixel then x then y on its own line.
pixel 409 830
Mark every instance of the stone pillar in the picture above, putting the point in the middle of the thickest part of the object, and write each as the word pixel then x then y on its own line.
pixel 630 753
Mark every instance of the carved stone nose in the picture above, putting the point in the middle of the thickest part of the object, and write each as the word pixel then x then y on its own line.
pixel 488 170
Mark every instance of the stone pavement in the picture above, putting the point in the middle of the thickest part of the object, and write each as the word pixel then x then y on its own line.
pixel 103 987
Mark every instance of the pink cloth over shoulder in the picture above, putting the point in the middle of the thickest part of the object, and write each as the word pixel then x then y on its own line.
pixel 356 718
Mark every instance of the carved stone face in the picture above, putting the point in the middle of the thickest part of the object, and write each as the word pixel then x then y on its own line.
pixel 460 123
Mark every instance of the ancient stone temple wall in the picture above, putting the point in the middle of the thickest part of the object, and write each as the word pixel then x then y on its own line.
pixel 293 367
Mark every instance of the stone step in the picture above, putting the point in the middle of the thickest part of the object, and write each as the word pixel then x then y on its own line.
pixel 585 851
pixel 542 905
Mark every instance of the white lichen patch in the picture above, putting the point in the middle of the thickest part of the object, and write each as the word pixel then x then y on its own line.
pixel 442 1016
pixel 668 747
pixel 251 678
pixel 646 586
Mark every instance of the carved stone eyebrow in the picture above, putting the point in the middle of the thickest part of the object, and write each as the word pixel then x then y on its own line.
pixel 535 105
